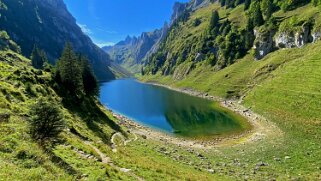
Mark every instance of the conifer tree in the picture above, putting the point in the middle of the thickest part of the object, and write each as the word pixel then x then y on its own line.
pixel 70 71
pixel 214 23
pixel 90 82
pixel 256 14
pixel 47 120
pixel 38 58
pixel 267 8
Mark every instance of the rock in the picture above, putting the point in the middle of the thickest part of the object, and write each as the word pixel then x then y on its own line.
pixel 199 57
pixel 144 136
pixel 263 43
pixel 125 170
pixel 211 171
pixel 285 40
pixel 277 159
pixel 178 9
pixel 246 177
pixel 262 164
pixel 316 36
pixel 200 155
pixel 295 39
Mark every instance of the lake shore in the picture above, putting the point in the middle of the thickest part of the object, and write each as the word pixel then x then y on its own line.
pixel 261 127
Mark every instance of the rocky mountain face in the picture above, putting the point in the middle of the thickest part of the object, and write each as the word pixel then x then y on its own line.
pixel 48 24
pixel 133 50
pixel 180 8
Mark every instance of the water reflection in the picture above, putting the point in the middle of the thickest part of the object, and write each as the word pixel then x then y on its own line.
pixel 167 110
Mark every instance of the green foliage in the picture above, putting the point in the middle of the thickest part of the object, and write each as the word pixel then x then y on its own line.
pixel 214 20
pixel 211 60
pixel 197 22
pixel 69 70
pixel 267 8
pixel 30 89
pixel 255 14
pixel 46 120
pixel 7 43
pixel 290 25
pixel 287 5
pixel 91 86
pixel 316 2
pixel 38 58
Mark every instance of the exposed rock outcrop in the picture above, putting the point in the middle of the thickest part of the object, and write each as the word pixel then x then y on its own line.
pixel 294 39
pixel 199 4
pixel 285 40
pixel 263 43
pixel 178 9
pixel 267 41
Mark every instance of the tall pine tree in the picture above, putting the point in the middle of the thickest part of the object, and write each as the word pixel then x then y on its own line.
pixel 267 8
pixel 38 58
pixel 214 23
pixel 70 72
pixel 90 82
pixel 255 14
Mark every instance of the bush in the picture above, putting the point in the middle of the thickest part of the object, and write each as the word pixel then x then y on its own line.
pixel 46 121
pixel 30 89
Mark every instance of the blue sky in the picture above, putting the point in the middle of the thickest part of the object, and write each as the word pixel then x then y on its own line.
pixel 110 21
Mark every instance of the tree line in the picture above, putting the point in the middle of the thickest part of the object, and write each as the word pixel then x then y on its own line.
pixel 75 79
pixel 72 72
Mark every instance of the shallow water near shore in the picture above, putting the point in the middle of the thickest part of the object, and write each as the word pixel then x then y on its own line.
pixel 170 111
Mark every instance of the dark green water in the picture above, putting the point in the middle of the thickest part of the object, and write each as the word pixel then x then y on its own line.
pixel 167 110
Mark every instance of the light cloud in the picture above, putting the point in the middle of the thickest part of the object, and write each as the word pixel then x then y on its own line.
pixel 103 43
pixel 85 29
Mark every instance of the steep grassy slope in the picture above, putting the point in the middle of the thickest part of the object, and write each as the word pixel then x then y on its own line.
pixel 85 150
pixel 285 88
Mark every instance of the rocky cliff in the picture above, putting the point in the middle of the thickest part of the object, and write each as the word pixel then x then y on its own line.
pixel 48 24
pixel 296 36
pixel 133 50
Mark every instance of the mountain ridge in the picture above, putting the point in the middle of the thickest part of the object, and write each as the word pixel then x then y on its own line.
pixel 48 24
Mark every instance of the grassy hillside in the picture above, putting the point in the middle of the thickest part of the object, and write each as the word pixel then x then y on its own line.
pixel 85 148
pixel 285 88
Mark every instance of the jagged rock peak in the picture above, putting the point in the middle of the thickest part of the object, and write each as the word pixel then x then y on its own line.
pixel 178 9
pixel 196 4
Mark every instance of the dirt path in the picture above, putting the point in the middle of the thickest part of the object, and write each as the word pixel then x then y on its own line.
pixel 107 160
pixel 122 137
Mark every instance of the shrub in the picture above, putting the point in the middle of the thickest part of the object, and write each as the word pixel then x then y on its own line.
pixel 46 120
pixel 30 89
